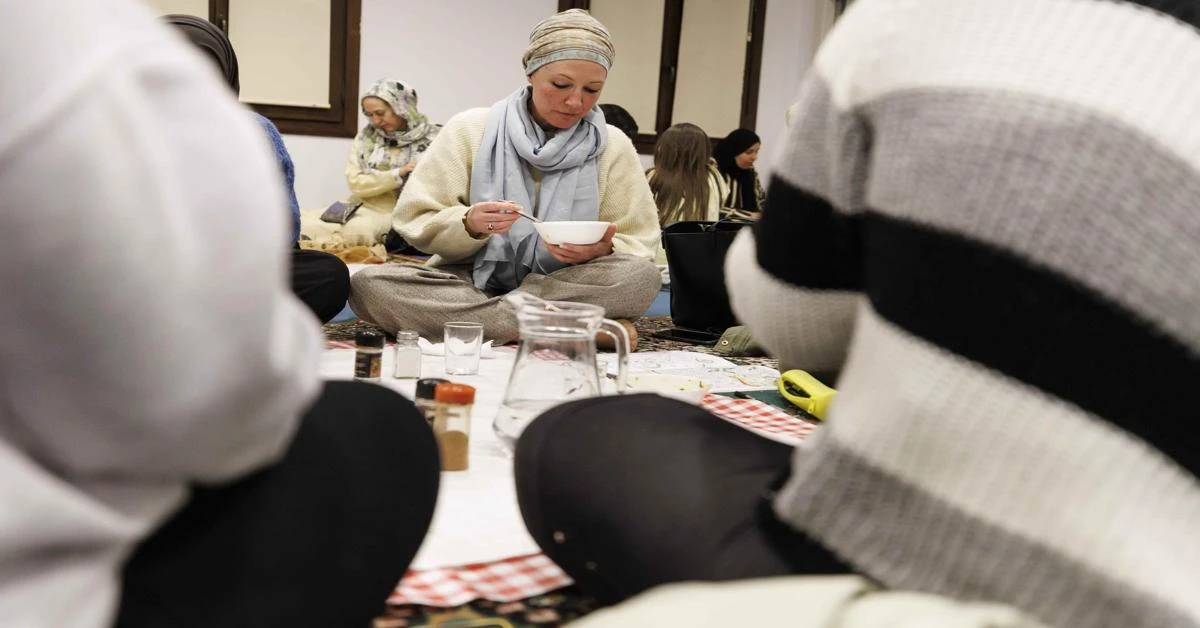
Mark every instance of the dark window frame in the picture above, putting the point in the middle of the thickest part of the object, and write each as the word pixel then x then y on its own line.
pixel 669 64
pixel 340 119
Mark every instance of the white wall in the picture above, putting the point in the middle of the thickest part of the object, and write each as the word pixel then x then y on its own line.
pixel 460 54
pixel 787 53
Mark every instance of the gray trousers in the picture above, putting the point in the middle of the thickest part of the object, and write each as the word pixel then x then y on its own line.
pixel 423 298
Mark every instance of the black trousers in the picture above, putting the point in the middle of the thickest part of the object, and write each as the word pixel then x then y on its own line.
pixel 321 280
pixel 319 539
pixel 626 493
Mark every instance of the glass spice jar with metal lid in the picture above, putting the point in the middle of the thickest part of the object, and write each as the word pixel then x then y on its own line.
pixel 368 355
pixel 407 354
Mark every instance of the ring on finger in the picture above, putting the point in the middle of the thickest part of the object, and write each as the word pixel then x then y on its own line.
pixel 490 227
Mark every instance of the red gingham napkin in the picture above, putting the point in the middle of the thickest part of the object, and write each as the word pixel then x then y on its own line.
pixel 526 576
pixel 502 581
pixel 758 415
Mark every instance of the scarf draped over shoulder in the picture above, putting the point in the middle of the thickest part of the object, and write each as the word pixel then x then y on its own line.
pixel 513 146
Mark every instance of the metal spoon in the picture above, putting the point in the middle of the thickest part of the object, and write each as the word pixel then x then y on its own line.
pixel 519 212
pixel 524 215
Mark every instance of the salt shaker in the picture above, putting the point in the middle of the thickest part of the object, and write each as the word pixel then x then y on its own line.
pixel 408 356
pixel 368 357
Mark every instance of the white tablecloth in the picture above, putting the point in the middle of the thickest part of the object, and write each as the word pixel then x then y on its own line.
pixel 477 519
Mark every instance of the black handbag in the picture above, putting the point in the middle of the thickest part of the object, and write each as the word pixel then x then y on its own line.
pixel 696 258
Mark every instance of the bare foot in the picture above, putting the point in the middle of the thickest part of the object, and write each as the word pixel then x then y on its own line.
pixel 605 342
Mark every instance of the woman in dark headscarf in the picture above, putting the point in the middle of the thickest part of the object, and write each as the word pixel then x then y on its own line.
pixel 617 116
pixel 207 37
pixel 735 157
pixel 321 280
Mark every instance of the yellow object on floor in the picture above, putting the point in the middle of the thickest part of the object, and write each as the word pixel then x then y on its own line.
pixel 806 392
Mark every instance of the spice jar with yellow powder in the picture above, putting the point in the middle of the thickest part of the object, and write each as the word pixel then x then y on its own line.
pixel 452 423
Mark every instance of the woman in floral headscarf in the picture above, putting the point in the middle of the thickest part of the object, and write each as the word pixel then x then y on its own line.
pixel 384 154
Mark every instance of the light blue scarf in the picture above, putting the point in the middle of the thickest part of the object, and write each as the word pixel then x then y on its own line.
pixel 570 190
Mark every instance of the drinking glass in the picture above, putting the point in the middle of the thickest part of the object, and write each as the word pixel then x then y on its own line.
pixel 463 342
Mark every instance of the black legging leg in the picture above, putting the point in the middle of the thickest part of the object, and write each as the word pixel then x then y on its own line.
pixel 319 539
pixel 322 281
pixel 629 492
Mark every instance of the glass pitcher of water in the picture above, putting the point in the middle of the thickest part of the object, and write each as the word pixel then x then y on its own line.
pixel 556 360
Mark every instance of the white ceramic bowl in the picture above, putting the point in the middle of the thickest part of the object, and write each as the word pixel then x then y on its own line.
pixel 683 388
pixel 571 231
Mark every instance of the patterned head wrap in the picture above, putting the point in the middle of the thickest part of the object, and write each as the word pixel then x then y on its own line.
pixel 572 34
pixel 378 146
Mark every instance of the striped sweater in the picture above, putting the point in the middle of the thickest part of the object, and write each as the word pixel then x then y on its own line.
pixel 997 205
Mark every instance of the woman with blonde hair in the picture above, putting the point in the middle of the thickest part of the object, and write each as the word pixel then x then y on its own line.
pixel 685 181
pixel 546 151
pixel 384 154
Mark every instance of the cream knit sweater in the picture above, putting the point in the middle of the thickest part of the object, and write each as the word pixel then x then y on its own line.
pixel 430 210
pixel 377 189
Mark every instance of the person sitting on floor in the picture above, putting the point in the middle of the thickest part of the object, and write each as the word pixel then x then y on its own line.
pixel 321 280
pixel 684 180
pixel 735 155
pixel 383 156
pixel 986 213
pixel 547 151
pixel 164 433
pixel 617 116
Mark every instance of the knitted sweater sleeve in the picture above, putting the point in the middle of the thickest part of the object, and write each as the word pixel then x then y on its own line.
pixel 365 184
pixel 625 198
pixel 430 210
pixel 795 279
pixel 287 168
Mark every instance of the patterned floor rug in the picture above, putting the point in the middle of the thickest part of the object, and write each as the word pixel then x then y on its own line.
pixel 552 609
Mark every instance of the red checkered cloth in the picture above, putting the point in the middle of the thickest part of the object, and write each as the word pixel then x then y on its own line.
pixel 502 581
pixel 526 576
pixel 758 415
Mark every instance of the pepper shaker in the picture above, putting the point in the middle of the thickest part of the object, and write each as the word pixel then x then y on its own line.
pixel 424 397
pixel 368 357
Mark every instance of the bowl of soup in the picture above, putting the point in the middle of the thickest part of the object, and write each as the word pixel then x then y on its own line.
pixel 571 231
